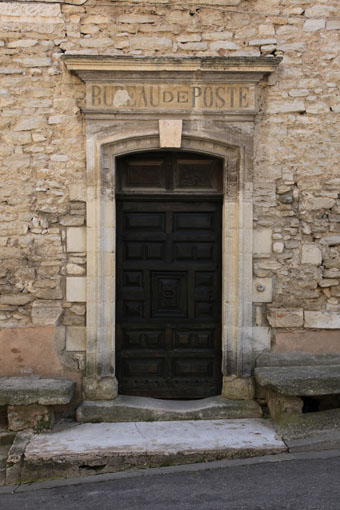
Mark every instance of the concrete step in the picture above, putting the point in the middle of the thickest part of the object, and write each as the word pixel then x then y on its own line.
pixel 126 408
pixel 88 448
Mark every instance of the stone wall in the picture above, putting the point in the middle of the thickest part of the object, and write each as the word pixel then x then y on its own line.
pixel 296 167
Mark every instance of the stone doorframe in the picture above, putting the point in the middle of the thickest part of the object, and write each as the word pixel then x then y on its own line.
pixel 116 132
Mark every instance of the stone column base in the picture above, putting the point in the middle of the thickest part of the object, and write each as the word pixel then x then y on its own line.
pixel 238 388
pixel 100 389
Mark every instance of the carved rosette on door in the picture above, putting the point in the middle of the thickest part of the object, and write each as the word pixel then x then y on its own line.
pixel 169 275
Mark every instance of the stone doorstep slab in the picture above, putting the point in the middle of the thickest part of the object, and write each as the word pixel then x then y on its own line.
pixel 109 447
pixel 126 408
pixel 34 390
pixel 300 381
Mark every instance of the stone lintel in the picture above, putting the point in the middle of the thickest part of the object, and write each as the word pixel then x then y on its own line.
pixel 80 63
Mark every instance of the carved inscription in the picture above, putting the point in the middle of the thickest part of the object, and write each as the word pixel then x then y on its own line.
pixel 169 97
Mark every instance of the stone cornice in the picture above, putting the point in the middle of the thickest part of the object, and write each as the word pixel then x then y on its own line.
pixel 85 66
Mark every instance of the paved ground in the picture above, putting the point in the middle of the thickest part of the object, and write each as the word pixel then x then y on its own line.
pixel 284 482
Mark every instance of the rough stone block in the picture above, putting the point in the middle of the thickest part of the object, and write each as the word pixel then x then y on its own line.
pixel 24 391
pixel 237 388
pixel 76 289
pixel 76 338
pixel 281 405
pixel 36 417
pixel 311 254
pixel 300 381
pixel 318 341
pixel 285 317
pixel 322 320
pixel 76 239
pixel 45 313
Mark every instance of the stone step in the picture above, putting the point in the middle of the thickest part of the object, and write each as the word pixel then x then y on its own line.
pixel 300 381
pixel 93 448
pixel 296 359
pixel 127 408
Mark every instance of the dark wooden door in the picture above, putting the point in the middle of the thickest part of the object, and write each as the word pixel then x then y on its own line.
pixel 168 295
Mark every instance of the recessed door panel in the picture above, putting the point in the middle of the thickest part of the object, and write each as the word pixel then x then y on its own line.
pixel 169 291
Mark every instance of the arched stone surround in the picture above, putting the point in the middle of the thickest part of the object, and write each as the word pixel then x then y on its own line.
pixel 104 144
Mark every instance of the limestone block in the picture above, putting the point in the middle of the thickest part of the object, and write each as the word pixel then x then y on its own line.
pixel 34 417
pixel 46 312
pixel 75 338
pixel 281 405
pixel 74 269
pixel 278 247
pixel 170 133
pixel 333 25
pixel 15 299
pixel 100 389
pixel 30 13
pixel 283 107
pixel 311 254
pixel 300 381
pixel 76 289
pixel 77 191
pixel 262 290
pixel 76 239
pixel 261 339
pixel 322 320
pixel 285 317
pixel 312 25
pixel 237 388
pixel 24 391
pixel 32 122
pixel 262 241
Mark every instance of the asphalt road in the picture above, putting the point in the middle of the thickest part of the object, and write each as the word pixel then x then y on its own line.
pixel 304 484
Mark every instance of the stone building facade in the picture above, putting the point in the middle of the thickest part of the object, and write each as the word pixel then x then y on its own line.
pixel 60 137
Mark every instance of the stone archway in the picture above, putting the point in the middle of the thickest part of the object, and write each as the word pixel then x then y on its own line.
pixel 103 148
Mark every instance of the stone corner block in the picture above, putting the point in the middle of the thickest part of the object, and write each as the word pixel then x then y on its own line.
pixel 76 289
pixel 237 388
pixel 75 338
pixel 100 389
pixel 262 241
pixel 76 239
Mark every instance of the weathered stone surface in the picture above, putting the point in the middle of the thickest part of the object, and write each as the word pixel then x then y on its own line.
pixel 23 391
pixel 238 388
pixel 125 408
pixel 285 318
pixel 322 320
pixel 320 341
pixel 36 417
pixel 281 405
pixel 311 254
pixel 46 312
pixel 300 381
pixel 295 358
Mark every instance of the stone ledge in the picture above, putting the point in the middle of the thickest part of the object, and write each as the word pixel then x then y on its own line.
pixel 300 380
pixel 24 391
pixel 126 408
pixel 296 358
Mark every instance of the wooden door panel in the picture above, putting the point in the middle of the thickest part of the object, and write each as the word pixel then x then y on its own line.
pixel 168 292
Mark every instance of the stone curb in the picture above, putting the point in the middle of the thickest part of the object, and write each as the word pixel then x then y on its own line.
pixel 202 466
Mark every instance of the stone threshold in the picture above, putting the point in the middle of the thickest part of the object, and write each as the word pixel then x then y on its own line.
pixel 83 449
pixel 127 408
